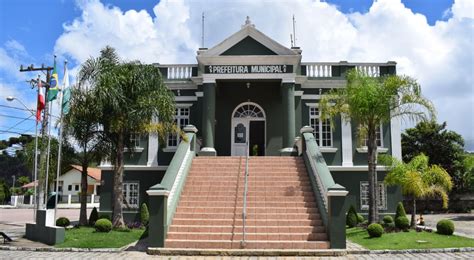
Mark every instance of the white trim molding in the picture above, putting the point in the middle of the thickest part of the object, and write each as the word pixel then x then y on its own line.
pixel 346 139
pixel 328 149
pixel 185 98
pixel 379 150
pixel 356 168
pixel 158 193
pixel 337 193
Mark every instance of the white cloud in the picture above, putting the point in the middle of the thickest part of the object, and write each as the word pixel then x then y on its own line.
pixel 439 56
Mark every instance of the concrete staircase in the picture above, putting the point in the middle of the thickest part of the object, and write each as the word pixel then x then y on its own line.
pixel 281 208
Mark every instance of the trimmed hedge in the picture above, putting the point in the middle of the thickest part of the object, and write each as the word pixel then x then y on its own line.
pixel 94 216
pixel 402 223
pixel 103 225
pixel 351 217
pixel 387 219
pixel 144 215
pixel 445 227
pixel 375 230
pixel 400 211
pixel 63 222
pixel 360 218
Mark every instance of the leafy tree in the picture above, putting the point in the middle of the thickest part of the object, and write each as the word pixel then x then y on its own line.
pixel 128 94
pixel 372 101
pixel 467 176
pixel 22 180
pixel 81 123
pixel 443 147
pixel 418 179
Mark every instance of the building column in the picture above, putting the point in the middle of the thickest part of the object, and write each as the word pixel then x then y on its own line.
pixel 208 118
pixel 153 147
pixel 288 101
pixel 396 138
pixel 346 140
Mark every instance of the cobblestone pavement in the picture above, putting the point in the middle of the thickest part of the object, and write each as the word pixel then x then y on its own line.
pixel 463 222
pixel 140 255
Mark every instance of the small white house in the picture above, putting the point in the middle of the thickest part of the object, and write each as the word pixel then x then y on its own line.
pixel 70 182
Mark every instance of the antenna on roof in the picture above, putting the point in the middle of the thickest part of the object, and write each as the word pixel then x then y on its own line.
pixel 202 32
pixel 291 39
pixel 294 32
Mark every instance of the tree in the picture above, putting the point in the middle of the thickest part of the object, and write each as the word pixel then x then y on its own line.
pixel 443 147
pixel 418 179
pixel 81 123
pixel 128 94
pixel 372 101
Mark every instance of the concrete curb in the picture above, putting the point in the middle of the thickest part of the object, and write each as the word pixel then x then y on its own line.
pixel 244 252
pixel 411 251
pixel 67 249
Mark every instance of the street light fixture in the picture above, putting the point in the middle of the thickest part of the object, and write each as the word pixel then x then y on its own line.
pixel 11 98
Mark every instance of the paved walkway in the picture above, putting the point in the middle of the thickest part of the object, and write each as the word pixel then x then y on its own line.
pixel 463 222
pixel 141 255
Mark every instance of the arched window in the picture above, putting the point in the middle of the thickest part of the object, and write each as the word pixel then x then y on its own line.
pixel 249 110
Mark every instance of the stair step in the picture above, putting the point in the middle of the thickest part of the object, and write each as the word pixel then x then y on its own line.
pixel 250 229
pixel 249 210
pixel 250 216
pixel 191 203
pixel 253 222
pixel 249 236
pixel 228 244
pixel 249 193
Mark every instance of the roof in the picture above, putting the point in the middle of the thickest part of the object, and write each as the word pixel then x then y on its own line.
pixel 30 185
pixel 94 173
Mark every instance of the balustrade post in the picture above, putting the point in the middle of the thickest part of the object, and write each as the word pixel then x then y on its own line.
pixel 337 216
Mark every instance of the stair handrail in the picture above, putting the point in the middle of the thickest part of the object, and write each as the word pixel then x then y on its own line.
pixel 244 209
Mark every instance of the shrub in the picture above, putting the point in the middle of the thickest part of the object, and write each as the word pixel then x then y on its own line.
pixel 351 218
pixel 94 216
pixel 400 211
pixel 445 227
pixel 360 218
pixel 63 222
pixel 402 223
pixel 144 215
pixel 389 226
pixel 103 216
pixel 387 219
pixel 375 230
pixel 103 225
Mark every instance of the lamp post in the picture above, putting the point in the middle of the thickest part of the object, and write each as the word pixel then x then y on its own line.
pixel 35 170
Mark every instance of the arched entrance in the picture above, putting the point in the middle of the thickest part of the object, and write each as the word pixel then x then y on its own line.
pixel 248 125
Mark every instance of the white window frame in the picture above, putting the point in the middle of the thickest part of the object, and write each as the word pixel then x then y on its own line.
pixel 379 136
pixel 179 115
pixel 127 196
pixel 135 140
pixel 319 130
pixel 364 195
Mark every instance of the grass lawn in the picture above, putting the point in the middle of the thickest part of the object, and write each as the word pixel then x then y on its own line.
pixel 407 240
pixel 86 237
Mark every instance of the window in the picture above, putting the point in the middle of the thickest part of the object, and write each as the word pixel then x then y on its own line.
pixel 76 187
pixel 378 134
pixel 69 187
pixel 322 129
pixel 381 196
pixel 135 140
pixel 181 119
pixel 130 195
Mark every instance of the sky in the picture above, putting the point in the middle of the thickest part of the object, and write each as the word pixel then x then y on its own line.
pixel 431 41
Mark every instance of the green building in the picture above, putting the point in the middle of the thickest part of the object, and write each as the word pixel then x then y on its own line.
pixel 250 88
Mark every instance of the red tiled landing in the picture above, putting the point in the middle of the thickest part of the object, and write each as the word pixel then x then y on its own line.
pixel 281 209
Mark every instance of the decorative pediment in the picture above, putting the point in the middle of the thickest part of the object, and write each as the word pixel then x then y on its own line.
pixel 248 41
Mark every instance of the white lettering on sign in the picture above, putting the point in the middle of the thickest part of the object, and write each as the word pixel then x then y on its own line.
pixel 243 69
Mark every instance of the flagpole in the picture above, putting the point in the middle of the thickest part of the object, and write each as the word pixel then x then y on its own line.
pixel 49 154
pixel 35 201
pixel 60 136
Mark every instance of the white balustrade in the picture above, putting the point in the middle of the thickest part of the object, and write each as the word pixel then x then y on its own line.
pixel 179 71
pixel 369 70
pixel 324 69
pixel 318 70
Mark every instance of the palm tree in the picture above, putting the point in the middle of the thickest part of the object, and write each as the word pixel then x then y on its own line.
pixel 81 123
pixel 370 102
pixel 418 179
pixel 128 94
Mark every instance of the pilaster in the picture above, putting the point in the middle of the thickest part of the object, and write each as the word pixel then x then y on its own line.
pixel 346 139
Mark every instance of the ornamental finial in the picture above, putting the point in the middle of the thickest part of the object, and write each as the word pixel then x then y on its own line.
pixel 248 22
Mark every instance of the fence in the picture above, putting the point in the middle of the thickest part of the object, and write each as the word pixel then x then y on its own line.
pixel 24 200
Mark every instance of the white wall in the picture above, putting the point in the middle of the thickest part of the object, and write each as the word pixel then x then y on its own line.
pixel 73 177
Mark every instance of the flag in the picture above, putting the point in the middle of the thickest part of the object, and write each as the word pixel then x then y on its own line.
pixel 66 92
pixel 53 84
pixel 40 103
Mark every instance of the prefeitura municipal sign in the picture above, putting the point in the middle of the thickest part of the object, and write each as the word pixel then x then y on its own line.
pixel 247 69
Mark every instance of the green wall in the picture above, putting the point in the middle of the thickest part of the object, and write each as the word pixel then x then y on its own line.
pixel 146 179
pixel 361 158
pixel 351 181
pixel 136 157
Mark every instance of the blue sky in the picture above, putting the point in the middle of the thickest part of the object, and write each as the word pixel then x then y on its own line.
pixel 31 31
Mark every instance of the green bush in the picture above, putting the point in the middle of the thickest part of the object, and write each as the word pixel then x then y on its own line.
pixel 105 217
pixel 351 218
pixel 375 230
pixel 144 215
pixel 445 227
pixel 94 216
pixel 103 225
pixel 360 218
pixel 387 219
pixel 402 223
pixel 62 222
pixel 400 211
